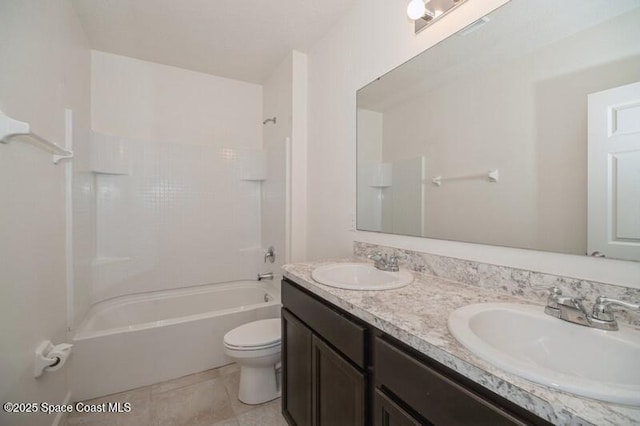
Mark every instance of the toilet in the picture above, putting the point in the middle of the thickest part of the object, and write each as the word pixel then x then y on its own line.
pixel 256 348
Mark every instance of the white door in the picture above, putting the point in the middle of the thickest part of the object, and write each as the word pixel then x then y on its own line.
pixel 614 172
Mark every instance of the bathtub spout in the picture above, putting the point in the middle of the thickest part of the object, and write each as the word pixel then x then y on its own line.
pixel 267 276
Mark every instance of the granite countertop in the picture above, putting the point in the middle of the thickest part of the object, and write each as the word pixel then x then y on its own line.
pixel 417 315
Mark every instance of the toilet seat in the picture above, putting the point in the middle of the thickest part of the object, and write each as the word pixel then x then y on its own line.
pixel 251 348
pixel 254 336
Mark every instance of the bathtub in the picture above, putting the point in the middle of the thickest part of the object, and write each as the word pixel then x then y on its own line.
pixel 138 340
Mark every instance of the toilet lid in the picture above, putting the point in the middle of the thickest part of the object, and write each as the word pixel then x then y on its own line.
pixel 255 334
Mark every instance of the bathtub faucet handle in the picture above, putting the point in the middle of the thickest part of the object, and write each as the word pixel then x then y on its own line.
pixel 270 255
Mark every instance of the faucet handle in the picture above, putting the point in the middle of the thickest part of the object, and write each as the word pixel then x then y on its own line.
pixel 602 308
pixel 554 293
pixel 270 255
pixel 392 264
pixel 377 256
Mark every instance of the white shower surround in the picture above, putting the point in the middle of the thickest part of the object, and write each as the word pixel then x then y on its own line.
pixel 138 340
pixel 172 204
pixel 183 212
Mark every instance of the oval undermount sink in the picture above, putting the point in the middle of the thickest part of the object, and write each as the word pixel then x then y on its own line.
pixel 522 340
pixel 360 276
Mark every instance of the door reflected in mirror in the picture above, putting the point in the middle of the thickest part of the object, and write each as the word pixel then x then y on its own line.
pixel 524 132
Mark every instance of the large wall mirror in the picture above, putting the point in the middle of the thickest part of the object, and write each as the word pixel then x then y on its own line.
pixel 521 130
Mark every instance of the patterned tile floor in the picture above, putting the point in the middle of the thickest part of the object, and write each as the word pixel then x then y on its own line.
pixel 209 398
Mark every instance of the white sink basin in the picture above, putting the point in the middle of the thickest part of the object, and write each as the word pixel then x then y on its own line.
pixel 360 276
pixel 522 340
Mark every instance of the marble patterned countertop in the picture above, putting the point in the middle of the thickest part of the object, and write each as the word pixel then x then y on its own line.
pixel 417 315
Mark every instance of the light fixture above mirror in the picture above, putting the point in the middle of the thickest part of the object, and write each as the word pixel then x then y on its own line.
pixel 426 12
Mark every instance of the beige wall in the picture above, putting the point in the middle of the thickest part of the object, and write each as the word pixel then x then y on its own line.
pixel 45 69
pixel 527 118
pixel 372 38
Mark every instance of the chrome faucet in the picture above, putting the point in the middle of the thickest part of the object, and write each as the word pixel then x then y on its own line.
pixel 267 276
pixel 567 308
pixel 383 263
pixel 572 309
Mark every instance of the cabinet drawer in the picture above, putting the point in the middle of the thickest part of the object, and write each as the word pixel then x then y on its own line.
pixel 343 333
pixel 433 395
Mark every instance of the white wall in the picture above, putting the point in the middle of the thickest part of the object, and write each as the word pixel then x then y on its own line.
pixel 45 68
pixel 284 198
pixel 374 37
pixel 184 215
pixel 297 232
pixel 277 102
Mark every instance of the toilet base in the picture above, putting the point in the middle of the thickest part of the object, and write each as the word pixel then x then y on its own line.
pixel 258 384
pixel 256 348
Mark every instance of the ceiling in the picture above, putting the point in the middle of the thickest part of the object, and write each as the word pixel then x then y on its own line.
pixel 239 39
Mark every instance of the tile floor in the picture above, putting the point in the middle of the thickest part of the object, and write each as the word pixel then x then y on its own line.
pixel 209 398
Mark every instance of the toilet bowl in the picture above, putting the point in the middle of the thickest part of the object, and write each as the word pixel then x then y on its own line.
pixel 256 348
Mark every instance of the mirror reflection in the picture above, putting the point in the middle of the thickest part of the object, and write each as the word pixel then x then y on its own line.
pixel 521 130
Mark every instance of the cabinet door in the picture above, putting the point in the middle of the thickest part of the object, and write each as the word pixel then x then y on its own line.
pixel 338 388
pixel 296 370
pixel 388 413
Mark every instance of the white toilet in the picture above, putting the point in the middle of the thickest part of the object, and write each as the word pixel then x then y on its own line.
pixel 256 348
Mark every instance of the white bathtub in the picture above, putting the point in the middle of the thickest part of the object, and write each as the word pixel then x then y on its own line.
pixel 134 341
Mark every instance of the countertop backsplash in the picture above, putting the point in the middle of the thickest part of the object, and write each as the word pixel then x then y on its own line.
pixel 517 282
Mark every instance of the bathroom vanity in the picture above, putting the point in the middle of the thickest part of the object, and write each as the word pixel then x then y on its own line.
pixel 387 358
pixel 340 370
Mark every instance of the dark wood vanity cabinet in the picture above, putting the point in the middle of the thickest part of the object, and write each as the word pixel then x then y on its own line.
pixel 297 370
pixel 338 370
pixel 323 375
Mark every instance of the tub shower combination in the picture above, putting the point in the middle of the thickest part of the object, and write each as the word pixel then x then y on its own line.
pixel 138 340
